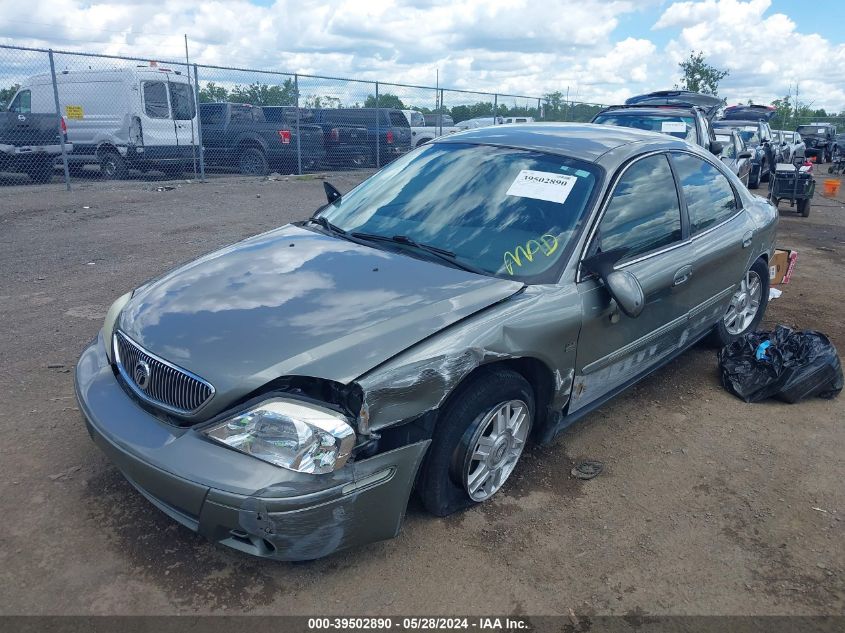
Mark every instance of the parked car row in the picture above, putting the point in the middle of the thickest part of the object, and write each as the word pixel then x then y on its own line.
pixel 741 135
pixel 145 118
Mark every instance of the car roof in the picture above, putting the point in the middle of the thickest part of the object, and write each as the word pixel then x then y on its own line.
pixel 586 141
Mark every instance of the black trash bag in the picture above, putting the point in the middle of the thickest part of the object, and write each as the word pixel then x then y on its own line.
pixel 783 364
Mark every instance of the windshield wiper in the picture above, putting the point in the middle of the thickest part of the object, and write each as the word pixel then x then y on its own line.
pixel 323 221
pixel 440 253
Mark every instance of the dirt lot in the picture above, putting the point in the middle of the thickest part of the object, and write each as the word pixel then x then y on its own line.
pixel 707 505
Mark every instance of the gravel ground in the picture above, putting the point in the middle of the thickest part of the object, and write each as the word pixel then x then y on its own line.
pixel 707 505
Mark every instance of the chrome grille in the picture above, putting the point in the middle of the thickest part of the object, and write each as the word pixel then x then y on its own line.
pixel 167 386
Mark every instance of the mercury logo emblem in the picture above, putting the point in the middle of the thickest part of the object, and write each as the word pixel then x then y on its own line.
pixel 21 117
pixel 141 374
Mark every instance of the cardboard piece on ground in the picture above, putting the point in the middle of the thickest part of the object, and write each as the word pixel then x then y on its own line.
pixel 782 266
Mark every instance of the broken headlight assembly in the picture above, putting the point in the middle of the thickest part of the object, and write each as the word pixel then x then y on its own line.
pixel 296 435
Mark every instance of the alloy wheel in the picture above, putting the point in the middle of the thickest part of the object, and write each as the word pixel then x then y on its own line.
pixel 495 448
pixel 744 304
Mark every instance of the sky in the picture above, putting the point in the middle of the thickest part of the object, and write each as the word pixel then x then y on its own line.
pixel 599 51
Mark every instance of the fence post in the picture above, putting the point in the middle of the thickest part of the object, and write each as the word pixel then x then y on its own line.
pixel 495 106
pixel 298 140
pixel 538 109
pixel 378 133
pixel 199 124
pixel 59 120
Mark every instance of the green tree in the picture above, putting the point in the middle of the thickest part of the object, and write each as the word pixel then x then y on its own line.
pixel 259 94
pixel 699 76
pixel 385 100
pixel 6 95
pixel 212 93
pixel 783 112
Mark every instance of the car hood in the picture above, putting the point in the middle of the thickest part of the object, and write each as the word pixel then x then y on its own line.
pixel 297 302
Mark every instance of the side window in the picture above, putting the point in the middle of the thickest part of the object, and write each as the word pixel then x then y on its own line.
pixel 182 102
pixel 155 100
pixel 22 103
pixel 709 196
pixel 643 213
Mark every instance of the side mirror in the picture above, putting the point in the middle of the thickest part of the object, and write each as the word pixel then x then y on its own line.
pixel 622 285
pixel 745 154
pixel 332 193
pixel 716 147
pixel 626 289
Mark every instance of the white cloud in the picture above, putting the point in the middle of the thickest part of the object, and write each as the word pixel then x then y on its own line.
pixel 512 46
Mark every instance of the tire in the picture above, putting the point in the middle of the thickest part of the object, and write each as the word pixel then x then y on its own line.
pixel 112 166
pixel 723 334
pixel 41 171
pixel 754 183
pixel 443 483
pixel 804 207
pixel 253 162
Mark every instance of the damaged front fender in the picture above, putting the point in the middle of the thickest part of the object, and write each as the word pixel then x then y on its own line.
pixel 542 324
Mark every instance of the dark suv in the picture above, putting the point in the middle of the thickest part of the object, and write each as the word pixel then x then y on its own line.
pixel 820 139
pixel 388 131
pixel 679 113
pixel 752 123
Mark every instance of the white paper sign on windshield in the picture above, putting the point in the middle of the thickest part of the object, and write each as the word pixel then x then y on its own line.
pixel 820 130
pixel 542 185
pixel 673 126
pixel 750 128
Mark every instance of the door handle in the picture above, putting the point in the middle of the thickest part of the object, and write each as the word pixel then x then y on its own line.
pixel 682 275
pixel 747 239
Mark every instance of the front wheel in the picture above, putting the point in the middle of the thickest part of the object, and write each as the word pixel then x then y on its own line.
pixel 478 441
pixel 112 166
pixel 747 306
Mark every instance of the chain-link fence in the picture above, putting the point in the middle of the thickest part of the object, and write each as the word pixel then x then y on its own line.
pixel 89 116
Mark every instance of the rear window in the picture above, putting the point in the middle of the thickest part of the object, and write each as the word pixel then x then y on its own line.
pixel 682 127
pixel 155 100
pixel 22 103
pixel 241 114
pixel 182 101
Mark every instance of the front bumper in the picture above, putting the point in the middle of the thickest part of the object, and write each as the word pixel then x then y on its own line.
pixel 237 500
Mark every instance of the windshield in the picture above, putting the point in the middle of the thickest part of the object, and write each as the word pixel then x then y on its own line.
pixel 509 212
pixel 678 126
pixel 748 133
pixel 811 130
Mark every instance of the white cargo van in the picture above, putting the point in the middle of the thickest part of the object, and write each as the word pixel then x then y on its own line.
pixel 127 118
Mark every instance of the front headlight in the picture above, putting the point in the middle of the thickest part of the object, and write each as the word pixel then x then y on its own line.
pixel 111 319
pixel 289 433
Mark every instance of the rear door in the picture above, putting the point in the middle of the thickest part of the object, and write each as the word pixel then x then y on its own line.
pixel 184 112
pixel 157 124
pixel 721 236
pixel 643 215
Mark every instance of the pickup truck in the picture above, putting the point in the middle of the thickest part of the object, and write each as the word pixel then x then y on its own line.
pixel 30 143
pixel 238 136
pixel 422 133
pixel 311 143
pixel 390 133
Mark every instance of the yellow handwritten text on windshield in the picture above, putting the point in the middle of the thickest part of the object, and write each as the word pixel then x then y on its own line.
pixel 546 245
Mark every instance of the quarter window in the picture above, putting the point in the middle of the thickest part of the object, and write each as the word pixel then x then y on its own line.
pixel 644 213
pixel 155 100
pixel 709 196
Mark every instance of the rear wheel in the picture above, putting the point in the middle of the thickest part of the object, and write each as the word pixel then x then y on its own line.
pixel 804 207
pixel 747 306
pixel 253 162
pixel 479 439
pixel 112 166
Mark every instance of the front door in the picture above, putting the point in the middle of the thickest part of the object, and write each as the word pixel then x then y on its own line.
pixel 644 216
